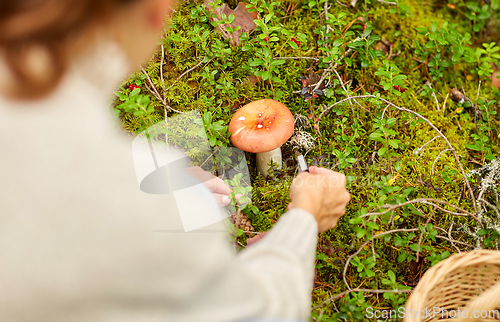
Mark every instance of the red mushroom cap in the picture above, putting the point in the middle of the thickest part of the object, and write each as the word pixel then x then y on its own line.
pixel 261 126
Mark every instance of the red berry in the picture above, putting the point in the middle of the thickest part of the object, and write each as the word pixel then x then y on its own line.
pixel 402 90
pixel 133 86
pixel 341 296
pixel 396 87
pixel 295 41
pixel 266 39
pixel 364 26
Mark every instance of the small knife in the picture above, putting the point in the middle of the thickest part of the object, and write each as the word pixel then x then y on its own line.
pixel 302 164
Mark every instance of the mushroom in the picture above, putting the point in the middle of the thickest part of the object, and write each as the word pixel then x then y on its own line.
pixel 262 127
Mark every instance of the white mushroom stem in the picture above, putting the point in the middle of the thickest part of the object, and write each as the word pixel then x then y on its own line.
pixel 264 160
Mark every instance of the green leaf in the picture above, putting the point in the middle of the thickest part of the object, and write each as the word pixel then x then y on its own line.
pixel 385 281
pixel 207 118
pixel 473 147
pixel 482 232
pixel 259 23
pixel 392 276
pixel 266 75
pixel 277 62
pixel 414 247
pixel 382 151
pixel 402 257
pixel 434 27
pixel 376 136
pixel 394 143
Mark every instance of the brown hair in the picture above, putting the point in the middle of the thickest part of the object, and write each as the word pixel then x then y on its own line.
pixel 44 26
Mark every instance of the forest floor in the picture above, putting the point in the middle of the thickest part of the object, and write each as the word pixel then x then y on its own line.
pixel 398 96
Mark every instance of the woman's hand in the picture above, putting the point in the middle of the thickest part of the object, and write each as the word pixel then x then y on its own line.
pixel 220 190
pixel 321 192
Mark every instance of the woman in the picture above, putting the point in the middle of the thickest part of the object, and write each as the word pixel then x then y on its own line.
pixel 79 241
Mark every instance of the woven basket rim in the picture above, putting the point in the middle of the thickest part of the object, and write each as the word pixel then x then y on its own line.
pixel 442 273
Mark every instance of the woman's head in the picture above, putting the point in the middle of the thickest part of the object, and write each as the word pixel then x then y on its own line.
pixel 53 31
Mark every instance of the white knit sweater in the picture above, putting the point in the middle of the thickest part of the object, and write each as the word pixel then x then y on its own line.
pixel 79 241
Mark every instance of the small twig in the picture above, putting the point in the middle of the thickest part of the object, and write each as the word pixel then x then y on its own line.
pixel 428 201
pixel 449 234
pixel 320 316
pixel 383 112
pixel 186 72
pixel 155 93
pixel 343 5
pixel 373 251
pixel 420 149
pixel 422 236
pixel 436 100
pixel 455 241
pixel 410 120
pixel 439 156
pixel 328 70
pixel 372 158
pixel 347 93
pixel 161 71
pixel 444 103
pixel 476 110
pixel 451 239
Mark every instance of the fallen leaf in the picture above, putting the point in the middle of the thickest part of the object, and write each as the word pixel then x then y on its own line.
pixel 312 79
pixel 309 83
pixel 383 46
pixel 251 80
pixel 242 18
pixel 457 96
pixel 415 269
pixel 329 248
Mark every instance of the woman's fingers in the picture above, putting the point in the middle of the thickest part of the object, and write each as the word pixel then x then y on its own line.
pixel 322 171
pixel 222 200
pixel 216 185
pixel 340 179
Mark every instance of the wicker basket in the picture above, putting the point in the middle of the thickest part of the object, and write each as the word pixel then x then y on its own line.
pixel 466 285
